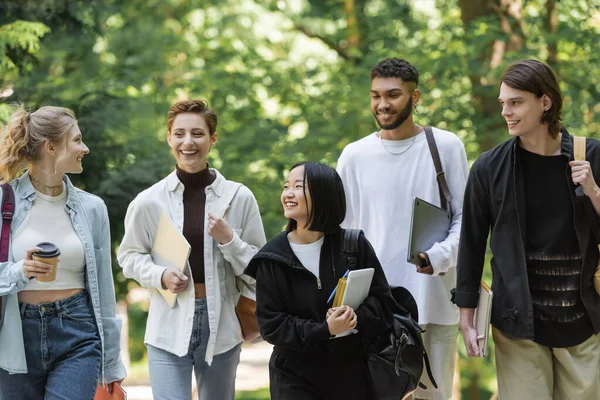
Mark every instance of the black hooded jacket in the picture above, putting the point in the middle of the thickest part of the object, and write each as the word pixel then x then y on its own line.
pixel 292 303
pixel 494 200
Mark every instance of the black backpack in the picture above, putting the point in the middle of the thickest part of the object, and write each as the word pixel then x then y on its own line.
pixel 396 360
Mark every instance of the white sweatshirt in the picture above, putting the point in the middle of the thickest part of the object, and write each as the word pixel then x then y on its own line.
pixel 380 188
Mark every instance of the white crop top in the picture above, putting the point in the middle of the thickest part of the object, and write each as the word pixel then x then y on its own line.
pixel 48 221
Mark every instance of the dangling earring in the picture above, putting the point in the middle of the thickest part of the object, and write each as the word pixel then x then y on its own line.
pixel 415 110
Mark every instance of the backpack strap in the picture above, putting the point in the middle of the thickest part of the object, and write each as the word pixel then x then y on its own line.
pixel 429 372
pixel 579 146
pixel 8 208
pixel 350 247
pixel 445 196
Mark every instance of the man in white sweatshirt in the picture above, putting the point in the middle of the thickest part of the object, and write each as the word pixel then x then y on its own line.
pixel 382 174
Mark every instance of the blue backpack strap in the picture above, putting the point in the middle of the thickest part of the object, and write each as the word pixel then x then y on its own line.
pixel 350 247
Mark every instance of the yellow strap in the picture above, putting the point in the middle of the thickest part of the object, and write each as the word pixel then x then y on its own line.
pixel 579 148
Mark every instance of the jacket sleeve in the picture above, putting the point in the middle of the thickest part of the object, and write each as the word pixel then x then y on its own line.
pixel 277 326
pixel 373 315
pixel 114 369
pixel 476 222
pixel 134 253
pixel 12 278
pixel 443 255
pixel 245 244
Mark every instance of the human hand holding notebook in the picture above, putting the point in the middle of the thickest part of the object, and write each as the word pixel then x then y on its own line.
pixel 352 289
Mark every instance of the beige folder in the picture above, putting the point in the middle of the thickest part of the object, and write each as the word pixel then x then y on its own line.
pixel 170 249
pixel 482 317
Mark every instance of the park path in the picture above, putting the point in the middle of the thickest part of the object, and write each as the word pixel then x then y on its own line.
pixel 252 373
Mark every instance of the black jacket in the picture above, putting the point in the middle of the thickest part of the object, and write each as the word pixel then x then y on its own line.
pixel 291 304
pixel 495 199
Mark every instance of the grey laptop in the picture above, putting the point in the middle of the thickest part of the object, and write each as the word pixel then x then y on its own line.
pixel 429 224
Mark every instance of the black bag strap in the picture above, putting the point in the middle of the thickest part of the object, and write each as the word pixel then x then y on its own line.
pixel 429 372
pixel 8 208
pixel 350 247
pixel 445 196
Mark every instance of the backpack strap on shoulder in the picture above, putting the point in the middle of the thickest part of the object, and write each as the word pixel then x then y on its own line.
pixel 8 208
pixel 445 196
pixel 350 247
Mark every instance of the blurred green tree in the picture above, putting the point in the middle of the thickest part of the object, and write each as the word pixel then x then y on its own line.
pixel 289 80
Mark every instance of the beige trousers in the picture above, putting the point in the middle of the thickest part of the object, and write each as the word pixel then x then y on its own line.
pixel 527 370
pixel 440 343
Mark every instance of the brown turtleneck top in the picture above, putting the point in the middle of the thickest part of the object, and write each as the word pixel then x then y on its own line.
pixel 194 199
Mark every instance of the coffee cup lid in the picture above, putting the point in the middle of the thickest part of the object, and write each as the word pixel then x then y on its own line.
pixel 48 250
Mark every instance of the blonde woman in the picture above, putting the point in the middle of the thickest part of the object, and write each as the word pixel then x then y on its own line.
pixel 58 339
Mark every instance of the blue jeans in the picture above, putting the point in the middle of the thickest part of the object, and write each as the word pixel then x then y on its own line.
pixel 170 375
pixel 63 350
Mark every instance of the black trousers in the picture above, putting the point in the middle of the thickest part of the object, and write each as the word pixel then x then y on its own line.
pixel 339 372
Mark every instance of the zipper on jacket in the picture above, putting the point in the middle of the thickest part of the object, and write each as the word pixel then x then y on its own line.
pixel 332 260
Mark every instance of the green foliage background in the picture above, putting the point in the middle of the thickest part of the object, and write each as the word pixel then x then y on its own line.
pixel 288 78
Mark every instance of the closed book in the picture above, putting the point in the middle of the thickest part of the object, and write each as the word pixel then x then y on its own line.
pixel 170 249
pixel 482 317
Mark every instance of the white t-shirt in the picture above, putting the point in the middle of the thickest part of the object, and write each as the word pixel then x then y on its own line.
pixel 381 179
pixel 309 255
pixel 48 221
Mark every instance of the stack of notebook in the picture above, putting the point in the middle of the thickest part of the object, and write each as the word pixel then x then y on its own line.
pixel 353 289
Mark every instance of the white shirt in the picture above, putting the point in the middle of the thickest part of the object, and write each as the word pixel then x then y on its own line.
pixel 170 329
pixel 309 255
pixel 380 190
pixel 48 221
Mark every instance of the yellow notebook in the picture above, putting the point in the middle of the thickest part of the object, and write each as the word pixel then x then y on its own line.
pixel 339 292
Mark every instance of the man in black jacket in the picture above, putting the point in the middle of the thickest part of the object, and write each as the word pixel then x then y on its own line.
pixel 540 205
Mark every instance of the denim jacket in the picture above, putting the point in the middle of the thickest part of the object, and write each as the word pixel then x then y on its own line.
pixel 170 329
pixel 90 221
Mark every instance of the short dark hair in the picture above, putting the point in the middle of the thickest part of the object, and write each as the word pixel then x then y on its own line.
pixel 199 107
pixel 395 68
pixel 328 198
pixel 536 77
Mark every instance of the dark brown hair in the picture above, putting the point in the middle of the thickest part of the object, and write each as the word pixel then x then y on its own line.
pixel 536 77
pixel 199 107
